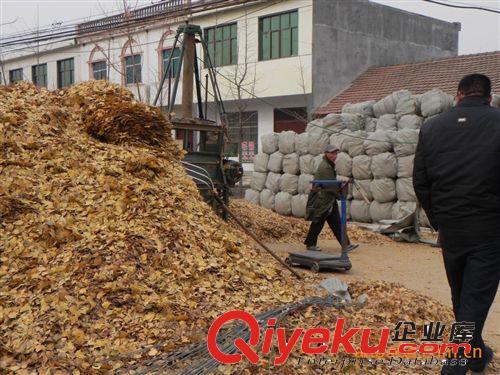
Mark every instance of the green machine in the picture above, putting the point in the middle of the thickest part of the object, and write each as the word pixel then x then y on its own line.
pixel 204 140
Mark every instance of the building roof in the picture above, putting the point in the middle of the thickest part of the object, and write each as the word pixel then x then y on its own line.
pixel 378 82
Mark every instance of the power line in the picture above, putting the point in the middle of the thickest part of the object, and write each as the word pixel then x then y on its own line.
pixel 463 6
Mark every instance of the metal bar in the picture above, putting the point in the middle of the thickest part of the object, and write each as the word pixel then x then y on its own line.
pixel 206 95
pixel 198 86
pixel 165 73
pixel 176 83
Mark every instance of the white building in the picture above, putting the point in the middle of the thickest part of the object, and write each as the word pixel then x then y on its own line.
pixel 287 55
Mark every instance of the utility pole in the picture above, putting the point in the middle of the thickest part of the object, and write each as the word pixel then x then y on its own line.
pixel 187 75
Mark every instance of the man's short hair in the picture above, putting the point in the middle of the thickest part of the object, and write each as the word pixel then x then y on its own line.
pixel 475 85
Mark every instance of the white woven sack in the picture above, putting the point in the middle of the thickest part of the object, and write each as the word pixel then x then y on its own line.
pixel 258 181
pixel 286 142
pixel 355 143
pixel 269 143
pixel 260 162
pixel 410 122
pixel 304 184
pixel 404 190
pixel 362 187
pixel 360 211
pixel 273 182
pixel 343 164
pixel 377 143
pixel 405 166
pixel 289 183
pixel 383 190
pixel 275 163
pixel 364 108
pixel 361 167
pixel 252 196
pixel 353 121
pixel 404 142
pixel 306 164
pixel 370 125
pixel 384 165
pixel 317 161
pixel 387 122
pixel 283 203
pixel 291 163
pixel 381 211
pixel 317 143
pixel 299 203
pixel 402 209
pixel 267 199
pixel 434 102
pixel 302 143
pixel 315 126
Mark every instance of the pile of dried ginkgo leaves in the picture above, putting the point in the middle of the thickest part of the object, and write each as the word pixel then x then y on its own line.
pixel 272 227
pixel 105 245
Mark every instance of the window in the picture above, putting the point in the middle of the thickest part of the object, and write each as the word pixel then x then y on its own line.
pixel 222 44
pixel 100 70
pixel 243 130
pixel 39 75
pixel 65 73
pixel 279 36
pixel 133 69
pixel 174 65
pixel 16 75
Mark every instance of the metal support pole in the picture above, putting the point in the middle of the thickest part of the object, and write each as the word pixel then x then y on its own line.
pixel 176 83
pixel 198 86
pixel 166 71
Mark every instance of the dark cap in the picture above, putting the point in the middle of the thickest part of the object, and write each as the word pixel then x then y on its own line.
pixel 331 148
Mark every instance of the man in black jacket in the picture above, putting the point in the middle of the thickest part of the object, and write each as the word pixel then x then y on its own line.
pixel 456 178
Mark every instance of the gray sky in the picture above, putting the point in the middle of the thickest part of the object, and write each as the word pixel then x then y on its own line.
pixel 480 30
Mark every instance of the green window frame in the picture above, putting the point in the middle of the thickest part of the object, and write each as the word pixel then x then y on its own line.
pixel 176 61
pixel 279 35
pixel 222 44
pixel 65 72
pixel 133 69
pixel 39 75
pixel 100 70
pixel 15 75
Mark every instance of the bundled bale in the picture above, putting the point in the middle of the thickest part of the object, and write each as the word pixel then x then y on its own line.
pixel 361 167
pixel 362 187
pixel 388 104
pixel 299 203
pixel 283 203
pixel 387 123
pixel 405 166
pixel 407 106
pixel 423 219
pixel 304 184
pixel 495 102
pixel 289 183
pixel 286 142
pixel 317 143
pixel 341 139
pixel 269 143
pixel 260 162
pixel 360 211
pixel 354 143
pixel 377 143
pixel 381 211
pixel 343 164
pixel 317 161
pixel 275 163
pixel 353 121
pixel 306 164
pixel 267 199
pixel 404 189
pixel 401 209
pixel 315 127
pixel 258 181
pixel 302 143
pixel 404 142
pixel 364 108
pixel 410 122
pixel 384 165
pixel 252 196
pixel 383 190
pixel 434 102
pixel 370 124
pixel 273 182
pixel 333 122
pixel 291 163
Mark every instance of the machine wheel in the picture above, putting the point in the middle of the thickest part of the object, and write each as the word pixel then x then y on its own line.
pixel 315 267
pixel 348 268
pixel 288 261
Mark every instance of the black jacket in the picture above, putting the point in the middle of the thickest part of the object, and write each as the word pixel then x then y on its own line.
pixel 456 174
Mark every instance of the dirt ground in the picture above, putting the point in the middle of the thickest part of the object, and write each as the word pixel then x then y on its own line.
pixel 416 266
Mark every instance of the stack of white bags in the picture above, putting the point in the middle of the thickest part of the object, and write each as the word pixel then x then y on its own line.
pixel 377 142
